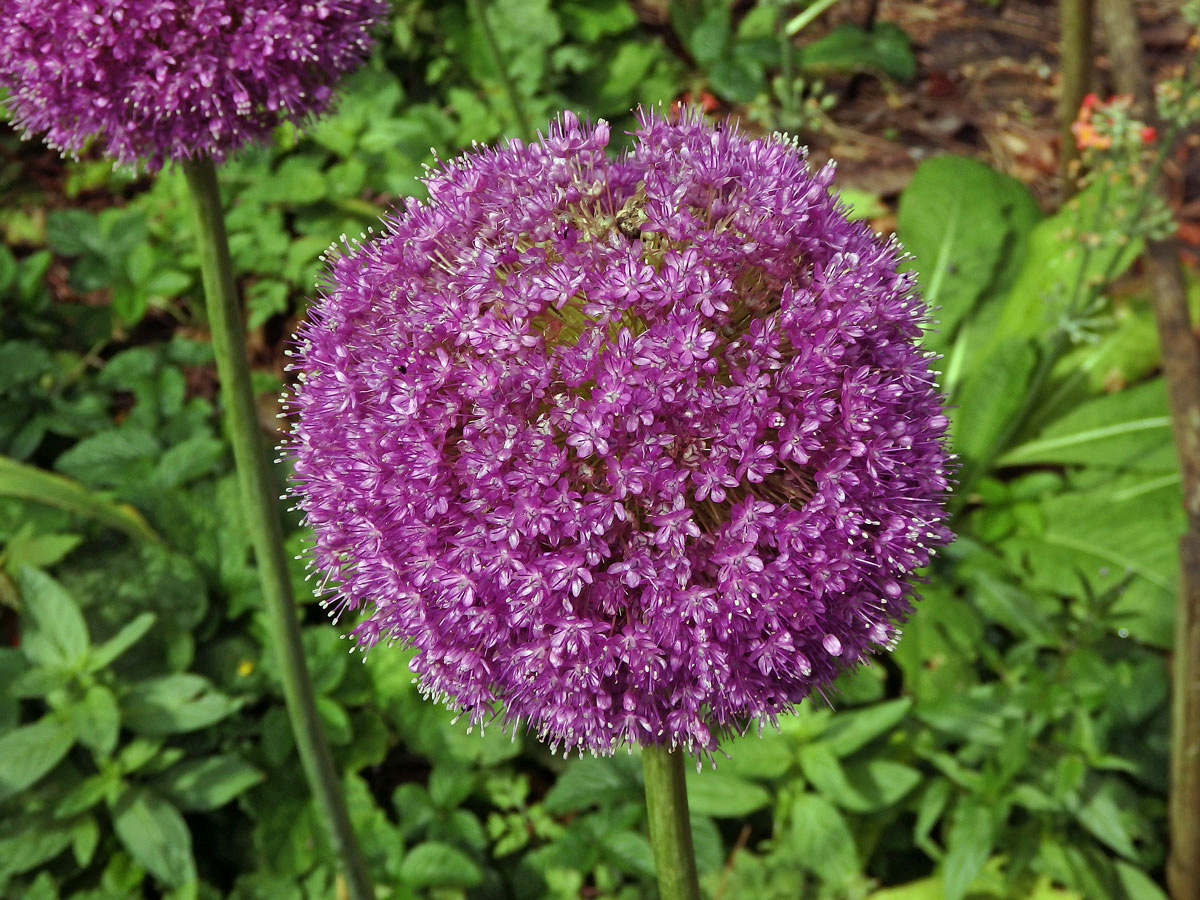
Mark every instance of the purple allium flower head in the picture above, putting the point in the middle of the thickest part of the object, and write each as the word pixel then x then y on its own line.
pixel 640 449
pixel 168 79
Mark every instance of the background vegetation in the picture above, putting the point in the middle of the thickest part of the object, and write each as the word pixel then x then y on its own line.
pixel 1014 745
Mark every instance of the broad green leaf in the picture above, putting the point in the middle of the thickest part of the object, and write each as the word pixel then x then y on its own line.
pixel 39 551
pixel 630 851
pixel 85 837
pixel 31 483
pixel 972 715
pixel 434 864
pixel 1137 884
pixel 1124 526
pixel 1060 264
pixel 969 843
pixel 155 834
pixel 992 396
pixel 96 719
pixel 55 633
pixel 724 796
pixel 864 786
pixel 820 839
pixel 199 785
pixel 174 703
pixel 1130 429
pixel 28 841
pixel 29 752
pixel 848 48
pixel 102 656
pixel 854 729
pixel 85 795
pixel 1103 816
pixel 594 780
pixel 768 755
pixel 925 889
pixel 111 458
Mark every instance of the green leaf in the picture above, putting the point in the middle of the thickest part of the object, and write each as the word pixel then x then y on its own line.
pixel 25 482
pixel 111 458
pixel 992 396
pixel 29 752
pixel 852 730
pixel 103 656
pixel 28 841
pixel 188 460
pixel 1130 429
pixel 724 796
pixel 954 217
pixel 86 794
pixel 200 785
pixel 1103 815
pixel 758 756
pixel 1058 264
pixel 434 864
pixel 848 48
pixel 85 837
pixel 969 843
pixel 73 232
pixel 174 703
pixel 96 719
pixel 738 78
pixel 38 551
pixel 820 840
pixel 55 632
pixel 155 835
pixel 865 786
pixel 1123 526
pixel 594 780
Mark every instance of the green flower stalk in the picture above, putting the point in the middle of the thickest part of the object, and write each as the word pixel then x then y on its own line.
pixel 151 83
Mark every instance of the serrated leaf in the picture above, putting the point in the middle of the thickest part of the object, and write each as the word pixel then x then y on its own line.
pixel 96 719
pixel 55 633
pixel 171 704
pixel 200 785
pixel 103 656
pixel 594 780
pixel 1102 815
pixel 850 731
pixel 723 795
pixel 29 752
pixel 155 834
pixel 866 786
pixel 434 864
pixel 848 48
pixel 111 458
pixel 820 840
pixel 969 843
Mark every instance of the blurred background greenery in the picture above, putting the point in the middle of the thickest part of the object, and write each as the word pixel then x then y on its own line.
pixel 1015 744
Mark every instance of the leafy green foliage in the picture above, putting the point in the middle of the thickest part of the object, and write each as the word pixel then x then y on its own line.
pixel 1013 746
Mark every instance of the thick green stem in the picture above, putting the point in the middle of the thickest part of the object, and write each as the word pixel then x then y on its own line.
pixel 479 13
pixel 262 519
pixel 670 827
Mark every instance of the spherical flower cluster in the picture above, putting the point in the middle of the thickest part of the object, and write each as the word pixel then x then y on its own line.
pixel 169 79
pixel 639 448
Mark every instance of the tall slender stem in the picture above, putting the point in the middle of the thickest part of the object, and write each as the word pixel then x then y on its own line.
pixel 670 827
pixel 262 519
pixel 1181 372
pixel 479 13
